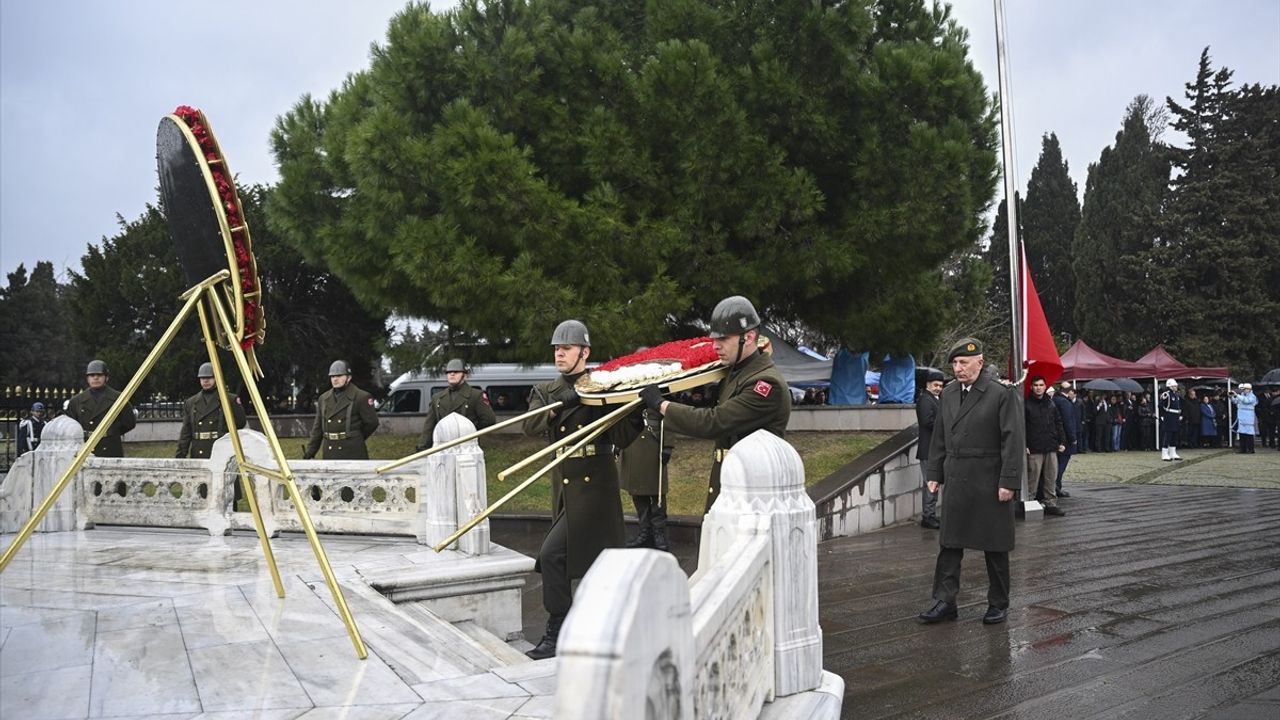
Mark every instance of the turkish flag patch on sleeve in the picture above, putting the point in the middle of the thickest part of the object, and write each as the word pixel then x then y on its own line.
pixel 763 388
pixel 371 401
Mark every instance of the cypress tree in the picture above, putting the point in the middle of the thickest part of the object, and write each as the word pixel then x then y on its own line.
pixel 1052 214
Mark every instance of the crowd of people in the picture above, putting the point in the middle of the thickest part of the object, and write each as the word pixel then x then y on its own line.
pixel 1115 422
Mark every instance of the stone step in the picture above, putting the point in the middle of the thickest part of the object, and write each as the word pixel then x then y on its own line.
pixel 508 653
pixel 419 646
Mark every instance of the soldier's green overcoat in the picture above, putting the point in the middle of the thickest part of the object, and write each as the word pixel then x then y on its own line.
pixel 753 397
pixel 465 400
pixel 203 423
pixel 344 419
pixel 90 407
pixel 584 488
pixel 639 463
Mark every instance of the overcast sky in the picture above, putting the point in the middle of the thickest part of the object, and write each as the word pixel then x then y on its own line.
pixel 84 84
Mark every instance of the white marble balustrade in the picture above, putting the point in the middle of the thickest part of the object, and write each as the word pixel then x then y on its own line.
pixel 739 639
pixel 341 496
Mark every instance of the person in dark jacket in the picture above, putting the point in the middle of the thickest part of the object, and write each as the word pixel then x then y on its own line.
pixel 1064 400
pixel 345 419
pixel 30 428
pixel 1045 439
pixel 926 415
pixel 1209 422
pixel 1102 424
pixel 1088 409
pixel 585 496
pixel 753 397
pixel 1146 422
pixel 978 451
pixel 459 398
pixel 90 409
pixel 203 420
pixel 1170 420
pixel 1191 417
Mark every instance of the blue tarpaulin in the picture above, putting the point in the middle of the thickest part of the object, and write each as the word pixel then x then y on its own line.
pixel 898 379
pixel 849 379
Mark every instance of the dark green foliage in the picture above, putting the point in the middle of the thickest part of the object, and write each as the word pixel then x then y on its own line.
pixel 128 293
pixel 511 164
pixel 1052 213
pixel 1220 253
pixel 1117 300
pixel 36 348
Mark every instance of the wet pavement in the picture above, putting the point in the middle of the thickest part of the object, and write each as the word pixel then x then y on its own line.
pixel 1158 596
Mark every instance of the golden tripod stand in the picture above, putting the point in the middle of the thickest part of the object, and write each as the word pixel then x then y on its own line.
pixel 192 297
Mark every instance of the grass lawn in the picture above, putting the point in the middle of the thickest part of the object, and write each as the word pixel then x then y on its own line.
pixel 690 467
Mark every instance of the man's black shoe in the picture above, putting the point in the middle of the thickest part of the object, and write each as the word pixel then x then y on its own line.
pixel 938 613
pixel 995 616
pixel 1063 493
pixel 1055 511
pixel 930 523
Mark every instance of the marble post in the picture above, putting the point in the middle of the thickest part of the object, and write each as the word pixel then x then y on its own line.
pixel 763 476
pixel 637 659
pixel 452 490
pixel 34 474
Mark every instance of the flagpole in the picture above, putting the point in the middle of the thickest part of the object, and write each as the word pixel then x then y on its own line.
pixel 1028 507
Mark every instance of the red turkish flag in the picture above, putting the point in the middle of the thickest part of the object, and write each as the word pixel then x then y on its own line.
pixel 1040 355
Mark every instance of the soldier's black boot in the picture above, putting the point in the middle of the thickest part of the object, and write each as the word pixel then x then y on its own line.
pixel 658 520
pixel 644 518
pixel 546 647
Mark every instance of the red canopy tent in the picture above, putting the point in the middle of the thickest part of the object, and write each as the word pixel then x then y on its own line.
pixel 1082 362
pixel 1167 366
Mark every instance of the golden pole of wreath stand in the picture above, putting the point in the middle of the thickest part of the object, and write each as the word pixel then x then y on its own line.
pixel 192 298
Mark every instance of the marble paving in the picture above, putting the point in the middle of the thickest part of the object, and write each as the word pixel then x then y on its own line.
pixel 138 623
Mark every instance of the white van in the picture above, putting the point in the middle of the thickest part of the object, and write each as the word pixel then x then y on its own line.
pixel 507 386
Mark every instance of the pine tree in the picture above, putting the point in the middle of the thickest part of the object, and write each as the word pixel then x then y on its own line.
pixel 1052 213
pixel 1116 309
pixel 507 165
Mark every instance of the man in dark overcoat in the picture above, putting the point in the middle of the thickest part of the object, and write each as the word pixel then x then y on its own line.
pixel 586 501
pixel 977 453
pixel 459 398
pixel 203 421
pixel 345 418
pixel 753 396
pixel 926 417
pixel 90 408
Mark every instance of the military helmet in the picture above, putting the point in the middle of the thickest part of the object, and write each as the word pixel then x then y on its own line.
pixel 571 332
pixel 339 367
pixel 455 365
pixel 37 406
pixel 96 367
pixel 206 370
pixel 733 316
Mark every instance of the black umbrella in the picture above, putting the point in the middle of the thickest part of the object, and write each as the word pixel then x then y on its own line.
pixel 1271 378
pixel 1102 385
pixel 1127 385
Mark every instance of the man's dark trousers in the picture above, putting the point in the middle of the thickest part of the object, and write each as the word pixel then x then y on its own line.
pixel 946 577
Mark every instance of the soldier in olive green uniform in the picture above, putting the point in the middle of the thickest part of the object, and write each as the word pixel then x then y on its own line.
pixel 344 418
pixel 459 398
pixel 203 421
pixel 643 466
pixel 90 407
pixel 752 397
pixel 585 497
